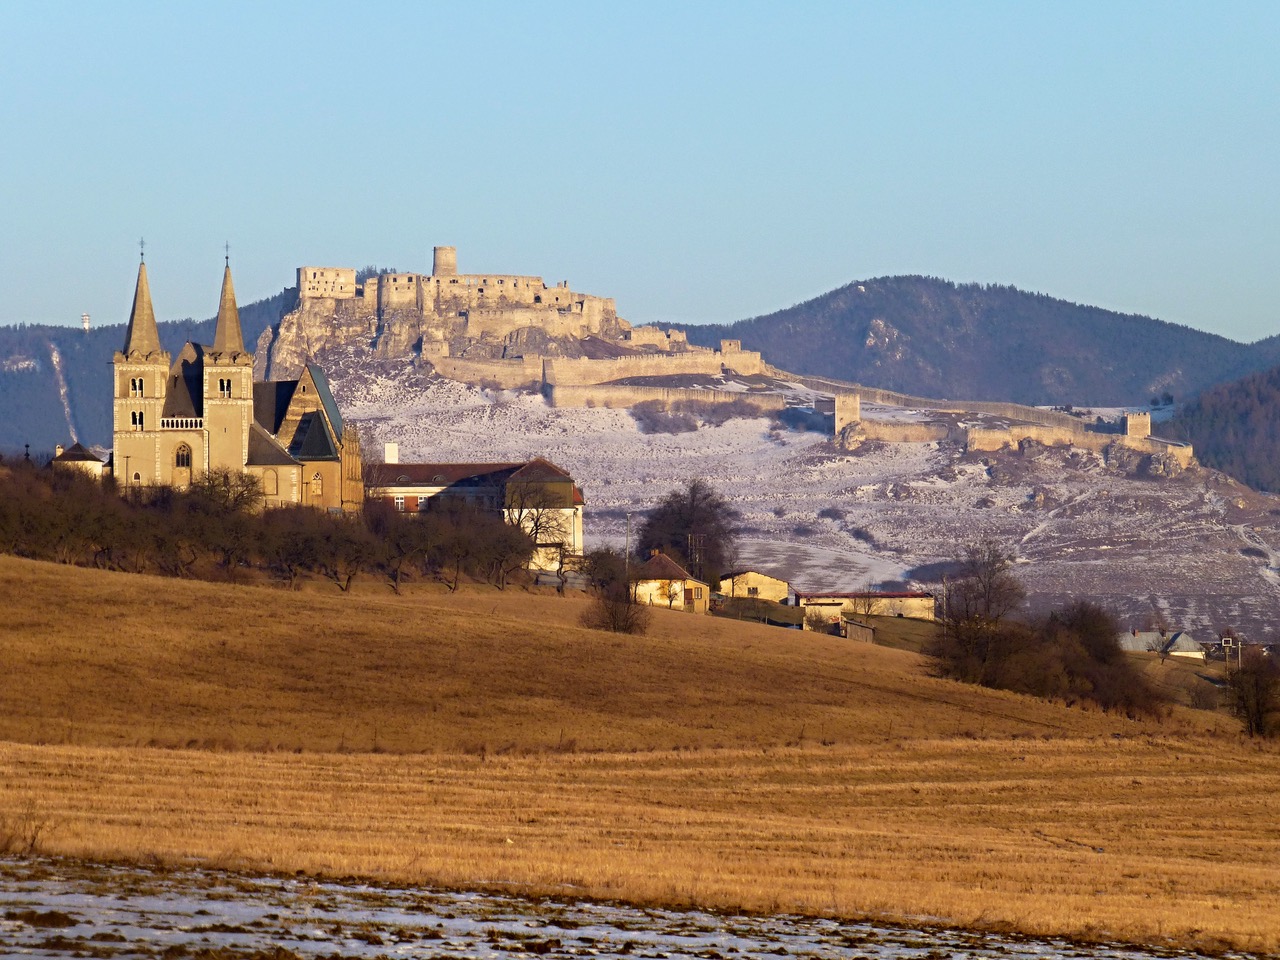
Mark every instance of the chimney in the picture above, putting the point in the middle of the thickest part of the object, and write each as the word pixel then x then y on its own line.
pixel 57 450
pixel 391 453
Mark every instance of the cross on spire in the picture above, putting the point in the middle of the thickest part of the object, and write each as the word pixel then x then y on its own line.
pixel 226 248
pixel 142 249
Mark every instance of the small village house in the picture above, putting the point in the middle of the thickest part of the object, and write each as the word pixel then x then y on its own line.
pixel 77 457
pixel 661 582
pixel 1177 643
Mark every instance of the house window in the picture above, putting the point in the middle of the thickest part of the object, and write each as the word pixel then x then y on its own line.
pixel 182 457
pixel 753 591
pixel 697 593
pixel 400 504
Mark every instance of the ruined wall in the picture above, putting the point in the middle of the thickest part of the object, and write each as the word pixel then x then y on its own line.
pixel 847 409
pixel 338 283
pixel 665 340
pixel 583 371
pixel 998 438
pixel 899 431
pixel 507 374
pixel 620 396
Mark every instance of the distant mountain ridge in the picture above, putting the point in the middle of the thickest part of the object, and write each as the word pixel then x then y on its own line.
pixel 936 338
pixel 55 382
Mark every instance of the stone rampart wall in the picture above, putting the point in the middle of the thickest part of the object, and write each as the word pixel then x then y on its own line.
pixel 899 431
pixel 621 395
pixel 997 438
pixel 507 374
pixel 585 371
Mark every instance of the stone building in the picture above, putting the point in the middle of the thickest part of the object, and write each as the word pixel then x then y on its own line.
pixel 177 418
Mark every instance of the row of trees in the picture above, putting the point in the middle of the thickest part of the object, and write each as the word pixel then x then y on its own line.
pixel 216 529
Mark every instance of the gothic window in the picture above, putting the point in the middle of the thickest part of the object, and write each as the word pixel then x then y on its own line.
pixel 182 457
pixel 136 386
pixel 135 419
pixel 317 487
pixel 270 483
pixel 224 389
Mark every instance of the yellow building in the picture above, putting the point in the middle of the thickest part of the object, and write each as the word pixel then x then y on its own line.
pixel 661 582
pixel 831 607
pixel 202 412
pixel 754 585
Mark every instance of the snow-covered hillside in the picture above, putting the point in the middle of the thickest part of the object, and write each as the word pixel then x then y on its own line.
pixel 1197 548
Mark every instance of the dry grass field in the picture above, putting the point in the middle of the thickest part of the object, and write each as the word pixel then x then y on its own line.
pixel 485 740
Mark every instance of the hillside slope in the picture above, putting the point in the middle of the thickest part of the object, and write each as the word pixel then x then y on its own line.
pixel 1236 428
pixel 935 338
pixel 94 658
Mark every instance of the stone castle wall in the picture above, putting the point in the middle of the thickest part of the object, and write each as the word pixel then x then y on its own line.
pixel 618 396
pixel 578 371
pixel 507 374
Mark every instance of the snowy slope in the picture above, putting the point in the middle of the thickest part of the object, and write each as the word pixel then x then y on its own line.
pixel 1199 548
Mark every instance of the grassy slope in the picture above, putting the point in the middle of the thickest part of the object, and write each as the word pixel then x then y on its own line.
pixel 898 795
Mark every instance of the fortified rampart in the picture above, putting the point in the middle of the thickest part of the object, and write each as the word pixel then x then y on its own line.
pixel 562 371
pixel 617 396
pixel 506 374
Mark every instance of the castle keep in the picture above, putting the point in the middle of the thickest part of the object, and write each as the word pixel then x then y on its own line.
pixel 203 412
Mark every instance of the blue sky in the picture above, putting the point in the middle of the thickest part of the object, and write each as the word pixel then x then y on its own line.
pixel 698 161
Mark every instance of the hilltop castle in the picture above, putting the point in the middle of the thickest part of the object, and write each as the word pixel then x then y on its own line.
pixel 173 422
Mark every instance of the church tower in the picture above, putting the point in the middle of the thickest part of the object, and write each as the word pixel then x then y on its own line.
pixel 141 377
pixel 228 386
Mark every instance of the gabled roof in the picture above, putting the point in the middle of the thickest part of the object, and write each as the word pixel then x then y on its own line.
pixel 326 398
pixel 1144 641
pixel 758 573
pixel 142 335
pixel 270 401
pixel 661 567
pixel 185 396
pixel 538 470
pixel 76 453
pixel 439 474
pixel 312 441
pixel 265 450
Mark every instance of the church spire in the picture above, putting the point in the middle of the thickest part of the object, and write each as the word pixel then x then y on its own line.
pixel 227 337
pixel 142 335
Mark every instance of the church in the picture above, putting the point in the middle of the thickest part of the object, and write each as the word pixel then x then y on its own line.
pixel 177 418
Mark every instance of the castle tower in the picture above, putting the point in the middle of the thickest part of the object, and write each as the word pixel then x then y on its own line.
pixel 444 262
pixel 141 378
pixel 228 386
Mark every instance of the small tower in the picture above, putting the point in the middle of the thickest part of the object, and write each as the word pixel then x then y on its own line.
pixel 84 320
pixel 141 378
pixel 444 262
pixel 228 385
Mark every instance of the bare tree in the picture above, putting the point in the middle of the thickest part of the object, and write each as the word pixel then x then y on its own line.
pixel 1255 692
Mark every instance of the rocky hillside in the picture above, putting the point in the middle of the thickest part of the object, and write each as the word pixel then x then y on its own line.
pixel 1235 427
pixel 934 338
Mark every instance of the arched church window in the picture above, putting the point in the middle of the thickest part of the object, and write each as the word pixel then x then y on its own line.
pixel 182 457
pixel 317 487
pixel 270 483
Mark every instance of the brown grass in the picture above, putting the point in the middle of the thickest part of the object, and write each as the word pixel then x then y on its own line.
pixel 927 799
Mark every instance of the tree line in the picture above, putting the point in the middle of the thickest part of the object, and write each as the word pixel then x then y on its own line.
pixel 216 529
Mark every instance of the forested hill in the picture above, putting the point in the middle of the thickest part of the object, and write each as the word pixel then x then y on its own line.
pixel 35 360
pixel 1236 429
pixel 931 337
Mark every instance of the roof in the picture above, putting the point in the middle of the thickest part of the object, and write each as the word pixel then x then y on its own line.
pixel 438 474
pixel 270 401
pixel 312 440
pixel 867 594
pixel 265 450
pixel 326 398
pixel 76 453
pixel 227 337
pixel 538 470
pixel 661 567
pixel 758 573
pixel 1153 641
pixel 142 335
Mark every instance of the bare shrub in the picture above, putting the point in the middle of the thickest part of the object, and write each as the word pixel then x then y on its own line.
pixel 22 830
pixel 652 416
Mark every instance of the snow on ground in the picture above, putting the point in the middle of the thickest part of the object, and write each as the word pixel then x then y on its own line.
pixel 1199 548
